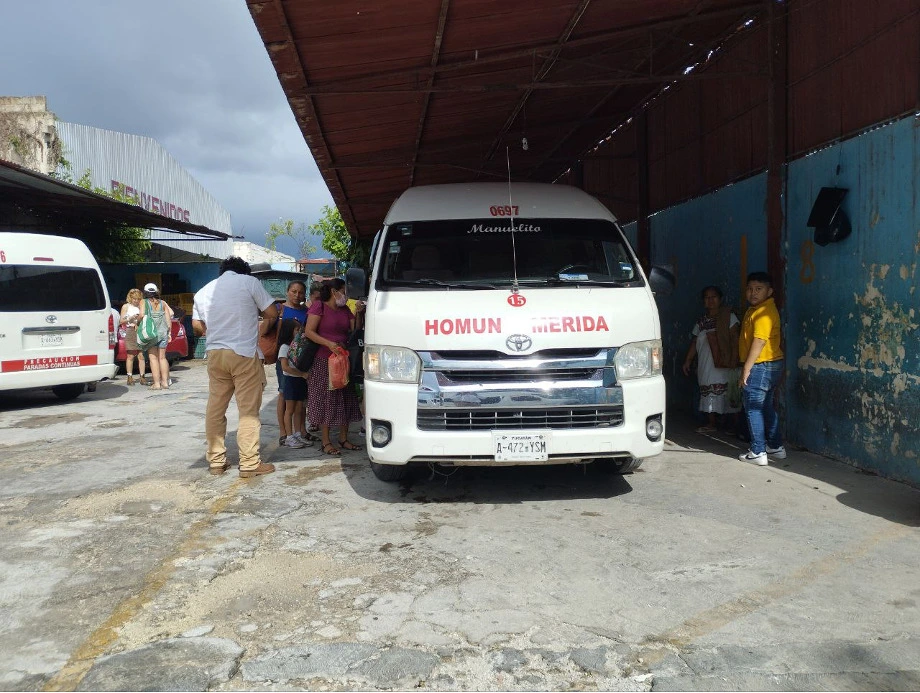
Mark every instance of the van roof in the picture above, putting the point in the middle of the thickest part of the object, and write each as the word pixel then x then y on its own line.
pixel 474 200
pixel 21 248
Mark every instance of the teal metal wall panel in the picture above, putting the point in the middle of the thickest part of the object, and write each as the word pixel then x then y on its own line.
pixel 853 315
pixel 852 311
pixel 713 239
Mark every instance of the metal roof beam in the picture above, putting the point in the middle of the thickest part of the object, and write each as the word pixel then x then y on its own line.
pixel 435 53
pixel 535 86
pixel 419 73
pixel 753 12
pixel 548 64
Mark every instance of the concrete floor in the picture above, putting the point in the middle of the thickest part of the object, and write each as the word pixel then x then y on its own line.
pixel 124 565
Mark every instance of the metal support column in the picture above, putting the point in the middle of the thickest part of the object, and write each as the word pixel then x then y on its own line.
pixel 777 113
pixel 643 232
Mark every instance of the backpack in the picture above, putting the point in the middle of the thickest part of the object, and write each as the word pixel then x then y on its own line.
pixel 303 349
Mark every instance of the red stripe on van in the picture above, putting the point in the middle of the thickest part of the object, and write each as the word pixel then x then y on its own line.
pixel 48 363
pixel 42 259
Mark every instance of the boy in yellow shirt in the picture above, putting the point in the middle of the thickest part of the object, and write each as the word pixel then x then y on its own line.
pixel 759 349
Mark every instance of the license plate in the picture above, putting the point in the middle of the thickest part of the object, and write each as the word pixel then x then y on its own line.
pixel 51 340
pixel 520 447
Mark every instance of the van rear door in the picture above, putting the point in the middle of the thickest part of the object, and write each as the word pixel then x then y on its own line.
pixel 54 314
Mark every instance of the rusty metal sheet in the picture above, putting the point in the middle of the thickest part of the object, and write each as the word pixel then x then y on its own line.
pixel 851 64
pixel 401 91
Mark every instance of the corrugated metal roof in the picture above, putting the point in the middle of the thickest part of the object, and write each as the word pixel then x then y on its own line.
pixel 53 205
pixel 397 93
pixel 141 167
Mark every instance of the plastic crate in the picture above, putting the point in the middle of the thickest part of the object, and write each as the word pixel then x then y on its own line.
pixel 200 346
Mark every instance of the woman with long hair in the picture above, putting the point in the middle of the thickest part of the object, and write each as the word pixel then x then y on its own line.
pixel 162 315
pixel 292 308
pixel 130 315
pixel 328 324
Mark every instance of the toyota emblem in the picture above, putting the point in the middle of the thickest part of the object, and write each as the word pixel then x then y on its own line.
pixel 519 342
pixel 51 319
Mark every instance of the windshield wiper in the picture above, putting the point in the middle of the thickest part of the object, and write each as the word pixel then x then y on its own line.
pixel 556 281
pixel 447 285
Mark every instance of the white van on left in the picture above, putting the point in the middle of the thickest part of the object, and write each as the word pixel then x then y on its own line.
pixel 56 327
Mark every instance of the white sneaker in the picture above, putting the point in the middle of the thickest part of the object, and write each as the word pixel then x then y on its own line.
pixel 306 443
pixel 759 459
pixel 294 441
pixel 779 453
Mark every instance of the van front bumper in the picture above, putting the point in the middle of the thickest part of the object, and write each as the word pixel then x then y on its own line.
pixel 618 429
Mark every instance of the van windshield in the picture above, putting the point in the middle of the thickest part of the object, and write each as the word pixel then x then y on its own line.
pixel 478 253
pixel 35 288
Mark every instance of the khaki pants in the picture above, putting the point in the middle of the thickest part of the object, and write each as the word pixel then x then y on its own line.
pixel 230 374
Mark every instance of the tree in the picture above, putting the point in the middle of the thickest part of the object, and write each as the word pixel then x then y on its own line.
pixel 300 234
pixel 337 240
pixel 109 243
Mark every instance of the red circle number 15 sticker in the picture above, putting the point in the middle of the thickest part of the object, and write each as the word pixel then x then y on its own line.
pixel 516 300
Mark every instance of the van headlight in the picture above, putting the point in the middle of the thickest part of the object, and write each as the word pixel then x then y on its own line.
pixel 638 360
pixel 391 364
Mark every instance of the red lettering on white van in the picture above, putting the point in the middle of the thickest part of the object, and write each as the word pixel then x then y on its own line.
pixel 447 326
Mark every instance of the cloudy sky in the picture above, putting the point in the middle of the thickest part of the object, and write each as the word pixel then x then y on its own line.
pixel 192 74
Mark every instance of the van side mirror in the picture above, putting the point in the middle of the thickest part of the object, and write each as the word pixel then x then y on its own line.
pixel 661 279
pixel 356 283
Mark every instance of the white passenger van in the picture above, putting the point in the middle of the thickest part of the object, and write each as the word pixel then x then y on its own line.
pixel 56 326
pixel 508 327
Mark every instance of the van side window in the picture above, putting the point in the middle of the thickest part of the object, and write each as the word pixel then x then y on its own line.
pixel 33 288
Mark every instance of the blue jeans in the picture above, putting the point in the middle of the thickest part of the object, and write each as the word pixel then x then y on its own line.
pixel 758 405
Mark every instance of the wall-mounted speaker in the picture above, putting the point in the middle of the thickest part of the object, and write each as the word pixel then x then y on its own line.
pixel 827 219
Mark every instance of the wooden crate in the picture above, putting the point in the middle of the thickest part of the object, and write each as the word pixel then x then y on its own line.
pixel 142 278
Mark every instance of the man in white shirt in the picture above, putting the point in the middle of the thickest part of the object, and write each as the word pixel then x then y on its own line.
pixel 227 311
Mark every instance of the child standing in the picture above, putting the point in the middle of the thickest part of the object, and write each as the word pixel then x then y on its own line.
pixel 294 389
pixel 759 348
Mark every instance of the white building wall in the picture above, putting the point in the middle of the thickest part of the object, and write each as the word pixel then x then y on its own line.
pixel 253 253
pixel 140 168
pixel 27 133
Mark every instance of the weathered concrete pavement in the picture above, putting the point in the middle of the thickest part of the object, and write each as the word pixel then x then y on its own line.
pixel 124 565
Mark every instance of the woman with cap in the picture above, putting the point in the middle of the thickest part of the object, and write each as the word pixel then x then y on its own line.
pixel 162 315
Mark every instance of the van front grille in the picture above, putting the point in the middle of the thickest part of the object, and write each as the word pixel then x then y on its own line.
pixel 519 375
pixel 518 419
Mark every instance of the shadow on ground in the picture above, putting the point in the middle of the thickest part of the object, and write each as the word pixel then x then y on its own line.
pixel 492 485
pixel 860 490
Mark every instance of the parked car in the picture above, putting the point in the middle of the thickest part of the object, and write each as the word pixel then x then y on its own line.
pixel 176 347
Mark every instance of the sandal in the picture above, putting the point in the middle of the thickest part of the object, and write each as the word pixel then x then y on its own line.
pixel 331 449
pixel 347 445
pixel 155 387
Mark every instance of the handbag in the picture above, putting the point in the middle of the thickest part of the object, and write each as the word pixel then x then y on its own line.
pixel 268 344
pixel 338 370
pixel 147 329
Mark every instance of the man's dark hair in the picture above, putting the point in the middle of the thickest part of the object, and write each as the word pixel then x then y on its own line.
pixel 235 264
pixel 761 277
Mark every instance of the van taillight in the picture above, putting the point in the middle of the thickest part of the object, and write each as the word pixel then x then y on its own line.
pixel 112 336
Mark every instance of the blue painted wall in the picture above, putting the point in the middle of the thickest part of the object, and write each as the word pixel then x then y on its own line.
pixel 714 239
pixel 852 313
